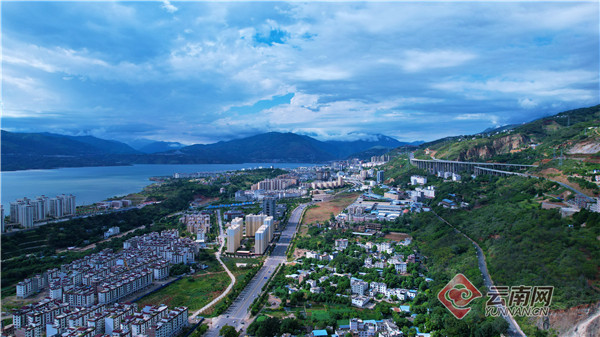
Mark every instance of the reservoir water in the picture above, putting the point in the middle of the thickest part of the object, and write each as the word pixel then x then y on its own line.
pixel 93 184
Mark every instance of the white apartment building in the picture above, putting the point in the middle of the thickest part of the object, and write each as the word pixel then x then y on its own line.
pixel 418 180
pixel 269 222
pixel 234 237
pixel 171 325
pixel 261 240
pixel 358 286
pixel 378 287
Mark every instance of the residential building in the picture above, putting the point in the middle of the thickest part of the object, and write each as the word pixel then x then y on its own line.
pixel 418 180
pixel 378 287
pixel 269 206
pixel 274 184
pixel 360 301
pixel 341 244
pixel 68 204
pixel 595 207
pixel 426 192
pixel 56 208
pixel 23 212
pixel 112 231
pixel 400 267
pixel 358 286
pixel 26 215
pixel 270 222
pixel 234 237
pixel 253 222
pixel 171 325
pixel 380 177
pixel 196 222
pixel 261 242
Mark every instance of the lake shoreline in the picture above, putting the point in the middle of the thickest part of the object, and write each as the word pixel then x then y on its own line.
pixel 93 184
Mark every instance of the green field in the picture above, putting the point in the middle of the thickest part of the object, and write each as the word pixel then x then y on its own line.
pixel 193 292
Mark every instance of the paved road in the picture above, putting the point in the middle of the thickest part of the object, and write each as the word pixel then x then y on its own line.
pixel 587 197
pixel 237 315
pixel 513 327
pixel 218 255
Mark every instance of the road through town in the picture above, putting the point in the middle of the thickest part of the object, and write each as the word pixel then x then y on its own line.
pixel 231 276
pixel 237 315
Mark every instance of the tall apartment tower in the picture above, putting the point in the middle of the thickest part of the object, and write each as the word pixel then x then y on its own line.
pixel 56 207
pixel 270 227
pixel 261 240
pixel 268 206
pixel 46 204
pixel 234 237
pixel 380 177
pixel 68 204
pixel 39 212
pixel 26 215
pixel 253 222
pixel 14 212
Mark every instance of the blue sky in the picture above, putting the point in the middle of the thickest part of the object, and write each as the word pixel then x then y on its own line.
pixel 200 72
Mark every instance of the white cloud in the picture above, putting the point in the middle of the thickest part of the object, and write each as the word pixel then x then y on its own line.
pixel 326 73
pixel 563 16
pixel 166 5
pixel 492 118
pixel 34 96
pixel 557 85
pixel 527 103
pixel 416 60
pixel 78 63
pixel 351 66
pixel 304 100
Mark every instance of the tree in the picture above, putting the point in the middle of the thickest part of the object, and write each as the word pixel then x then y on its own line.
pixel 179 269
pixel 267 328
pixel 228 331
pixel 289 325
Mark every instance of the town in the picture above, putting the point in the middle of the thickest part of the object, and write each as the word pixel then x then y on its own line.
pixel 349 258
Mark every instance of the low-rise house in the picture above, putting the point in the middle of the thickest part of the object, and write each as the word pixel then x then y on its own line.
pixel 360 301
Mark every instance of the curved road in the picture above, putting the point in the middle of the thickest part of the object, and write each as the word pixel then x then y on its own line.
pixel 218 255
pixel 237 314
pixel 513 327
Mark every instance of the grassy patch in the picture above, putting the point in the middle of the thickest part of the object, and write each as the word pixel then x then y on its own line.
pixel 193 292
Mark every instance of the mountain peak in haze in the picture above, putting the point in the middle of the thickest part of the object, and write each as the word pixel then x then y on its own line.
pixel 44 150
pixel 156 147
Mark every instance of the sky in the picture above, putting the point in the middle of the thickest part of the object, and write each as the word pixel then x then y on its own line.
pixel 202 72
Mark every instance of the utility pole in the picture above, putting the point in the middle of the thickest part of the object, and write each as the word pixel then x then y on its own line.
pixel 560 162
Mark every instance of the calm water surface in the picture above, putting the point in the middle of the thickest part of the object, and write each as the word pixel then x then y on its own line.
pixel 93 184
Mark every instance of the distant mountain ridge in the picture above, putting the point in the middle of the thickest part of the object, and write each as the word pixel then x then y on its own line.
pixel 46 150
pixel 46 143
pixel 157 147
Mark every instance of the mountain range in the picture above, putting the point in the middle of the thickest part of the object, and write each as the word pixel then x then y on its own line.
pixel 47 150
